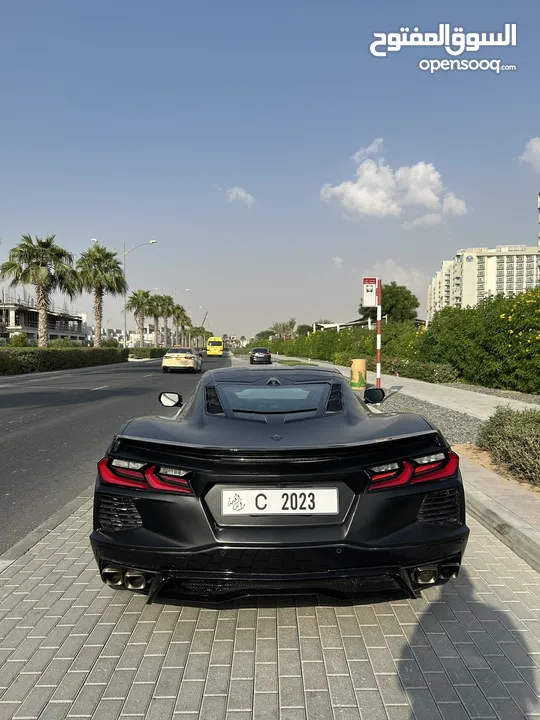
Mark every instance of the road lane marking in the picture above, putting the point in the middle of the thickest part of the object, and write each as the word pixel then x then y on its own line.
pixel 101 387
pixel 149 375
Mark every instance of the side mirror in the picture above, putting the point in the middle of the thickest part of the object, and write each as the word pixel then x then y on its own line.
pixel 170 399
pixel 374 396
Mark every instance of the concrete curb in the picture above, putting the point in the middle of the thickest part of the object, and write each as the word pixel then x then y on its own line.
pixel 514 532
pixel 27 543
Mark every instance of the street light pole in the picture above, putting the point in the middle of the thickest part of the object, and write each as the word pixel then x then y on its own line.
pixel 124 253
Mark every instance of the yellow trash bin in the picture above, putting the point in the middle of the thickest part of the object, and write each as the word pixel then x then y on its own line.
pixel 358 373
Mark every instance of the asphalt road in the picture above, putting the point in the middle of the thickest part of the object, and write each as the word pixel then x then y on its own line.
pixel 55 427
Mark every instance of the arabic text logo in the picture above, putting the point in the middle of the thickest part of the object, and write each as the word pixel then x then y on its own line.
pixel 236 503
pixel 455 43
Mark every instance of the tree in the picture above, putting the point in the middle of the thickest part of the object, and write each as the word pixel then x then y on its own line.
pixel 303 330
pixel 167 311
pixel 100 273
pixel 263 335
pixel 139 304
pixel 398 303
pixel 154 310
pixel 181 320
pixel 48 267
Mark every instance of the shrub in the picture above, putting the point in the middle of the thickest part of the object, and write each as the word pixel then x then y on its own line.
pixel 143 353
pixel 512 438
pixel 16 361
pixel 62 343
pixel 19 340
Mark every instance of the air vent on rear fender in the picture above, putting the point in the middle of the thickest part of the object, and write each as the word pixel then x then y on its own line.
pixel 213 403
pixel 118 513
pixel 335 401
pixel 441 508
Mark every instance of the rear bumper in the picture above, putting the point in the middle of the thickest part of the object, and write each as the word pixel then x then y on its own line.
pixel 221 574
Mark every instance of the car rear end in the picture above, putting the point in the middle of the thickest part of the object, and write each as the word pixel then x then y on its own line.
pixel 180 358
pixel 260 356
pixel 180 524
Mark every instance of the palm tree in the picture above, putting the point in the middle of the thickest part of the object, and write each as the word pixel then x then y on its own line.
pixel 154 310
pixel 181 320
pixel 167 310
pixel 139 304
pixel 45 265
pixel 100 273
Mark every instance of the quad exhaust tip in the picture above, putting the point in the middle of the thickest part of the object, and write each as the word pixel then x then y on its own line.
pixel 113 576
pixel 130 579
pixel 429 574
pixel 426 575
pixel 135 580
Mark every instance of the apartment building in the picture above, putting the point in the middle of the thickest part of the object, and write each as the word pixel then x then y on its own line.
pixel 475 273
pixel 20 315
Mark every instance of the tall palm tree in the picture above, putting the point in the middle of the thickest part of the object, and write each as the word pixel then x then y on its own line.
pixel 139 304
pixel 154 310
pixel 167 310
pixel 181 320
pixel 100 272
pixel 48 267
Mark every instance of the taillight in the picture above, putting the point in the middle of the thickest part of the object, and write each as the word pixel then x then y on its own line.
pixel 411 472
pixel 161 478
pixel 144 477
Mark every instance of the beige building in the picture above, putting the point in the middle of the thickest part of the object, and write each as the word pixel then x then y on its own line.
pixel 475 273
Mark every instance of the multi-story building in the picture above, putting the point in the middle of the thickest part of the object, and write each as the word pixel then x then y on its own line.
pixel 20 315
pixel 475 273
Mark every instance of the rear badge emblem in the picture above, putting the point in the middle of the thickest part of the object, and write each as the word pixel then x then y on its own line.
pixel 277 438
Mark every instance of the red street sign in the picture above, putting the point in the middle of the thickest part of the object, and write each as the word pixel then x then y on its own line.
pixel 370 281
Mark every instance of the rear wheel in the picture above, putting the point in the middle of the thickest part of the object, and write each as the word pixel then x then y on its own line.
pixel 165 369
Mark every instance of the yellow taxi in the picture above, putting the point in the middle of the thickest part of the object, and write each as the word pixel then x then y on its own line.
pixel 182 358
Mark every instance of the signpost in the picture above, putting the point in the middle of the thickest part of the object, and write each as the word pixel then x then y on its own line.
pixel 372 297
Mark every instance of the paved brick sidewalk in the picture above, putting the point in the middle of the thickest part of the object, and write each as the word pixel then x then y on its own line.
pixel 72 647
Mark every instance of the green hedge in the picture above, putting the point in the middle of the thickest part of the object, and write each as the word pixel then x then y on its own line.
pixel 16 361
pixel 147 352
pixel 512 438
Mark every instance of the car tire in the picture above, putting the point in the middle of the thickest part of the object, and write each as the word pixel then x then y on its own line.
pixel 165 369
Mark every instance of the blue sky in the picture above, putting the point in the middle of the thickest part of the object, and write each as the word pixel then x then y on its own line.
pixel 128 120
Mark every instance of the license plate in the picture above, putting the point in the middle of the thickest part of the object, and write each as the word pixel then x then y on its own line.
pixel 279 501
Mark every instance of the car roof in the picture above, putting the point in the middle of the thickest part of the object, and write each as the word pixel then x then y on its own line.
pixel 247 374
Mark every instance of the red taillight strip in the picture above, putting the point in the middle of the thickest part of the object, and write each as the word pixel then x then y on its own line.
pixel 396 480
pixel 177 485
pixel 447 470
pixel 110 477
pixel 414 475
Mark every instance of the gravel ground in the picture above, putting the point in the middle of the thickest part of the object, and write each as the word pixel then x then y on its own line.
pixel 510 394
pixel 455 426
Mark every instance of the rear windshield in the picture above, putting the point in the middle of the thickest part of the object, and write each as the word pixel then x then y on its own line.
pixel 182 351
pixel 260 350
pixel 274 398
pixel 215 342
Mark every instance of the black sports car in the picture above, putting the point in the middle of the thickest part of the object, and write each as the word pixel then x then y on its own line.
pixel 260 355
pixel 277 481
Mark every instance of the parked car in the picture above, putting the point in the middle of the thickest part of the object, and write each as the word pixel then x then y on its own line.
pixel 181 358
pixel 281 481
pixel 260 355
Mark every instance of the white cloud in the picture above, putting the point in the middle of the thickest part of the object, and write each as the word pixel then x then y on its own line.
pixel 423 220
pixel 376 148
pixel 452 205
pixel 531 154
pixel 237 193
pixel 338 262
pixel 389 270
pixel 380 191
